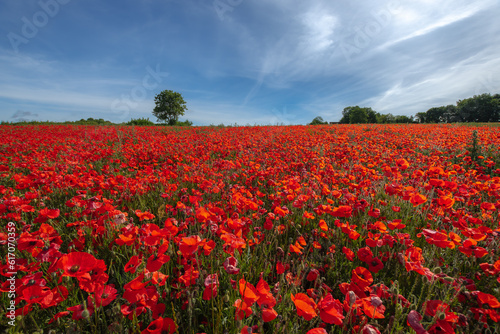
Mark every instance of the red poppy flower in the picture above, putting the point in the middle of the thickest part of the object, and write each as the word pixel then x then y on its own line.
pixel 190 276
pixel 77 264
pixel 362 277
pixel 155 262
pixel 189 245
pixel 158 278
pixel 269 314
pixel 248 292
pixel 58 315
pixel 132 264
pixel 330 310
pixel 396 224
pixel 105 295
pixel 486 298
pixel 280 268
pixel 230 265
pixel 28 244
pixel 211 286
pixel 488 206
pixel 95 279
pixel 365 254
pixel 375 265
pixel 413 320
pixel 437 238
pixel 160 326
pixel 446 201
pixel 144 215
pixel 35 294
pixel 323 226
pixel 312 275
pixel 369 329
pixel 442 327
pixel 307 215
pixel 418 199
pixel 208 247
pixel 202 215
pixel 50 213
pixel 396 208
pixel 342 211
pixel 306 307
pixel 402 164
pixel 317 331
pixel 243 310
pixel 469 247
pixel 373 307
pixel 348 253
pixel 296 248
pixel 155 327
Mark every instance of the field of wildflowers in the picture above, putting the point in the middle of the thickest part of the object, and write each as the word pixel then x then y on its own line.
pixel 292 229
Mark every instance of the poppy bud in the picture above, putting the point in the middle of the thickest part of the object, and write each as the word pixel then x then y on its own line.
pixel 437 270
pixel 86 314
pixel 441 315
pixel 401 258
pixel 399 308
pixel 449 279
pixel 352 297
pixel 280 251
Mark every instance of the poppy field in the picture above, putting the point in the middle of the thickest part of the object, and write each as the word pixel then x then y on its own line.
pixel 273 229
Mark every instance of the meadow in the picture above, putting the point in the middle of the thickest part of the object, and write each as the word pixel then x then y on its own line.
pixel 273 229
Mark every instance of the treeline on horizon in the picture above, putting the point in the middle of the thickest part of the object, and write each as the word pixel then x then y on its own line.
pixel 482 108
pixel 100 121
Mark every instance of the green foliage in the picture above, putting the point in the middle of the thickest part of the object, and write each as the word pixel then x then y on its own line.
pixel 358 115
pixel 140 122
pixel 318 121
pixel 184 123
pixel 479 108
pixel 169 106
pixel 474 148
pixel 88 121
pixel 421 117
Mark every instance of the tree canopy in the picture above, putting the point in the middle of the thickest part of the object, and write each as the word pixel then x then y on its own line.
pixel 318 121
pixel 169 106
pixel 359 115
pixel 479 108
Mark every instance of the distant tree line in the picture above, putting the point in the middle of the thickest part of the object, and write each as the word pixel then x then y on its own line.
pixel 359 115
pixel 88 121
pixel 479 108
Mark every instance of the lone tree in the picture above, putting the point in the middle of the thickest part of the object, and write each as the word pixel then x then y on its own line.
pixel 169 106
pixel 318 121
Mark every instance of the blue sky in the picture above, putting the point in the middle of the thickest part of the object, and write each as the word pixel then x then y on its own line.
pixel 243 61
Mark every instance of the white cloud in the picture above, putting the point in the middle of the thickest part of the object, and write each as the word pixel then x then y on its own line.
pixel 319 30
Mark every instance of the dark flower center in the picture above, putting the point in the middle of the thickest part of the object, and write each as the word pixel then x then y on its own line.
pixel 74 268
